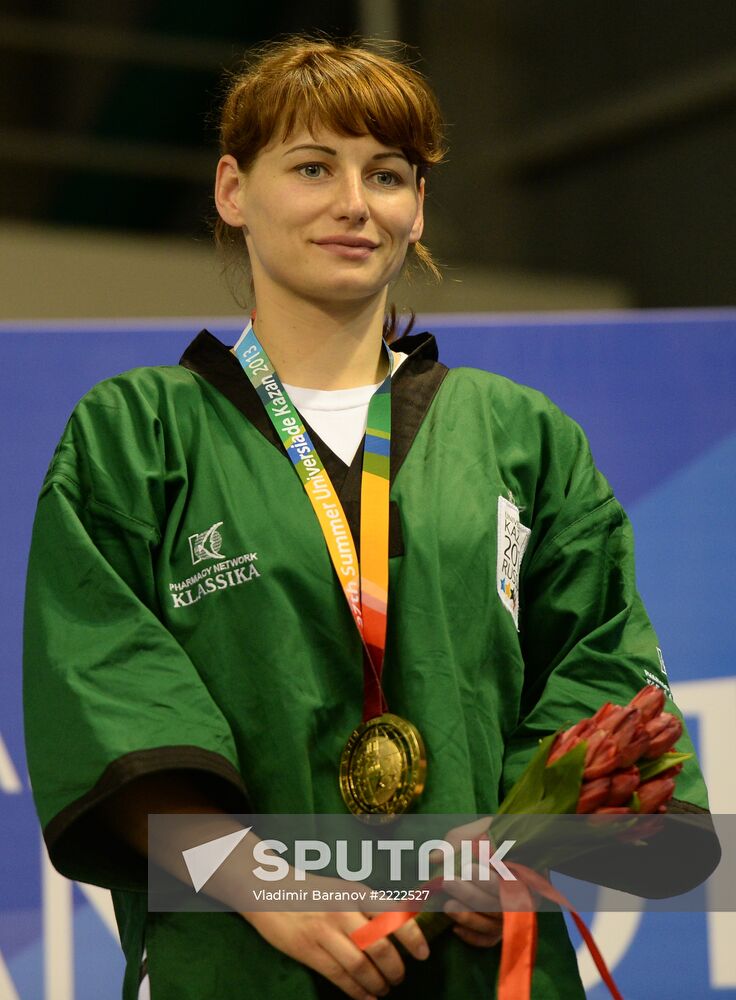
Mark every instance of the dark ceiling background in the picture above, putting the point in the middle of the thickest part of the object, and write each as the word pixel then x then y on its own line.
pixel 587 137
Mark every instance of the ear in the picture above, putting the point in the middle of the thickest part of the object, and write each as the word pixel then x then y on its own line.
pixel 418 228
pixel 227 191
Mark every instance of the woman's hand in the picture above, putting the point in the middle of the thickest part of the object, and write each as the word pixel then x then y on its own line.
pixel 482 930
pixel 481 926
pixel 478 922
pixel 320 940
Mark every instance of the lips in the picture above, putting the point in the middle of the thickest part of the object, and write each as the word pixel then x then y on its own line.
pixel 347 241
pixel 347 247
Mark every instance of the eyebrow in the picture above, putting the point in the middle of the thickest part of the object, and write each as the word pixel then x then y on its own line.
pixel 333 152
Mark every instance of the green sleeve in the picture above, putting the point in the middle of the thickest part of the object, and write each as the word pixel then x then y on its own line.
pixel 109 694
pixel 586 637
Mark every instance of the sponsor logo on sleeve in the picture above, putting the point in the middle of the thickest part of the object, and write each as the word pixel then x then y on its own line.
pixel 513 538
pixel 652 678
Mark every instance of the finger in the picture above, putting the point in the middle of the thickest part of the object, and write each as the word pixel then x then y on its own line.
pixel 475 939
pixel 411 937
pixel 374 969
pixel 482 923
pixel 328 966
pixel 387 959
pixel 469 831
pixel 483 898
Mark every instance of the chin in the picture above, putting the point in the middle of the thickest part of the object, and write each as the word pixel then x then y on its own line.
pixel 344 289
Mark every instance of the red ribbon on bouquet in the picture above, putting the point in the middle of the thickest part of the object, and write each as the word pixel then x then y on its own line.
pixel 519 941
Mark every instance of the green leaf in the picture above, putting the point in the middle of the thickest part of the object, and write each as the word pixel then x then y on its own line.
pixel 542 789
pixel 654 767
pixel 528 791
pixel 562 781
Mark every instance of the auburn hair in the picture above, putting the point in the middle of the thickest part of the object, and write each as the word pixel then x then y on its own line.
pixel 337 85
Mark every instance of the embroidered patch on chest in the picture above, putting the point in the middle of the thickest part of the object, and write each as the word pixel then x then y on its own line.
pixel 512 542
pixel 220 572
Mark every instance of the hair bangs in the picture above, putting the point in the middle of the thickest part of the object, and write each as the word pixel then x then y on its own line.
pixel 356 98
pixel 344 89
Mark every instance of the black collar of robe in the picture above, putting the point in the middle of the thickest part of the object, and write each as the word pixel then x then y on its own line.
pixel 413 388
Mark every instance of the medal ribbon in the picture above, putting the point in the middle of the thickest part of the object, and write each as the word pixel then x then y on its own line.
pixel 364 583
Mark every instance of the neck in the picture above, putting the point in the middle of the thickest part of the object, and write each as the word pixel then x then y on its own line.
pixel 323 346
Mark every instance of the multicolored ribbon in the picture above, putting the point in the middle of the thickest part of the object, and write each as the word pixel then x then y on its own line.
pixel 364 582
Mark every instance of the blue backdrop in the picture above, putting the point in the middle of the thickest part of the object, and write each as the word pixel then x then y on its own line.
pixel 654 391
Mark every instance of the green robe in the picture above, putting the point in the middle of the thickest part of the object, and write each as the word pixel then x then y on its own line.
pixel 182 612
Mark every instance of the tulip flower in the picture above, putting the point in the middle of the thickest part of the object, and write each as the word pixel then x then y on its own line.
pixel 649 701
pixel 623 785
pixel 662 732
pixel 604 757
pixel 634 748
pixel 653 795
pixel 608 717
pixel 593 795
pixel 570 738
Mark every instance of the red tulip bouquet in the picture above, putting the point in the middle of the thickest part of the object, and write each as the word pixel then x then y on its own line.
pixel 629 765
pixel 621 761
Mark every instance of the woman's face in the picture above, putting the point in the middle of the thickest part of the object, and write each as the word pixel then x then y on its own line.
pixel 326 217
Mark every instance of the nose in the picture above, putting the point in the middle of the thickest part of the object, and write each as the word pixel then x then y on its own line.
pixel 351 203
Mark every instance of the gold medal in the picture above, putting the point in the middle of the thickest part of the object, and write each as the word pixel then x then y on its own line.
pixel 383 766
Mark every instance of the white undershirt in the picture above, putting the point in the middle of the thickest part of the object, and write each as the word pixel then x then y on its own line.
pixel 339 416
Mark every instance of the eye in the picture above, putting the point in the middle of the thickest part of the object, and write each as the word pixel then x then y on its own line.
pixel 387 178
pixel 313 171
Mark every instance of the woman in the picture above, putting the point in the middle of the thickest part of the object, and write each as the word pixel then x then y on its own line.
pixel 196 640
